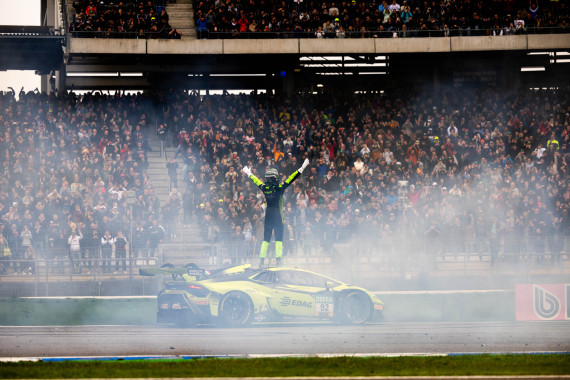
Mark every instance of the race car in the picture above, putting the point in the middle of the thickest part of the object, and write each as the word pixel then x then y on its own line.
pixel 240 295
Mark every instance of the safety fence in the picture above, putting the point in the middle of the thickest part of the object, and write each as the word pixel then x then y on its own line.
pixel 389 261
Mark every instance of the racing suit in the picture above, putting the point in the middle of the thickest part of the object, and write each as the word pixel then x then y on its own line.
pixel 273 191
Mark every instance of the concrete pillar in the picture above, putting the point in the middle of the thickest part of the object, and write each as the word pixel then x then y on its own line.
pixel 60 76
pixel 44 83
pixel 49 13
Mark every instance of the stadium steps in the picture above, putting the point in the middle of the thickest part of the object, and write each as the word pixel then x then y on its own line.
pixel 181 17
pixel 183 243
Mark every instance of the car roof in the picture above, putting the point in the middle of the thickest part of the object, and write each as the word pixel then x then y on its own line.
pixel 245 272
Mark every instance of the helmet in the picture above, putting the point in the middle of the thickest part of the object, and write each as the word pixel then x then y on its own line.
pixel 271 174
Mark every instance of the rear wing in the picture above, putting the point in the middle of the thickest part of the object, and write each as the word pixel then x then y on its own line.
pixel 191 271
pixel 174 271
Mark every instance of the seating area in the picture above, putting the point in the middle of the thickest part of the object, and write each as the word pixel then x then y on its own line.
pixel 215 19
pixel 377 19
pixel 436 174
pixel 129 19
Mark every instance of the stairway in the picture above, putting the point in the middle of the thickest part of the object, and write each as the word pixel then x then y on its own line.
pixel 181 16
pixel 183 243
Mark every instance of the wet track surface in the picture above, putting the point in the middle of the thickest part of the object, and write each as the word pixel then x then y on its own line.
pixel 285 339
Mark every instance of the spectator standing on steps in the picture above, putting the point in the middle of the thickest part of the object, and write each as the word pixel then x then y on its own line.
pixel 74 242
pixel 139 242
pixel 120 252
pixel 172 167
pixel 92 247
pixel 14 243
pixel 27 250
pixel 5 255
pixel 162 132
pixel 107 242
pixel 155 237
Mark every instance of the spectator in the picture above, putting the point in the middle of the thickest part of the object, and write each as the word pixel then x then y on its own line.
pixel 6 254
pixel 155 235
pixel 139 242
pixel 172 167
pixel 74 242
pixel 107 242
pixel 92 251
pixel 120 252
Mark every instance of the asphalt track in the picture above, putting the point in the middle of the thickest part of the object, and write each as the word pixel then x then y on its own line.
pixel 285 339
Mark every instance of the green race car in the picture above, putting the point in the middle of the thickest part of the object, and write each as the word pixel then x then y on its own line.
pixel 240 295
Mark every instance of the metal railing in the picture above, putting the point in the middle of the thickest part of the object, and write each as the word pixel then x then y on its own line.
pixel 301 34
pixel 67 276
pixel 372 256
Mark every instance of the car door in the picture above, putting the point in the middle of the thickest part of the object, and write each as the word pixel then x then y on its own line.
pixel 299 293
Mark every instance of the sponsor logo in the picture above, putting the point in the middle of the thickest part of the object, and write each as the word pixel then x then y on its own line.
pixel 287 301
pixel 323 299
pixel 201 302
pixel 546 304
pixel 542 302
pixel 260 317
pixel 567 291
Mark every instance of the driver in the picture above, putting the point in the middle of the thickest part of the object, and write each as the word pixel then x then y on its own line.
pixel 273 191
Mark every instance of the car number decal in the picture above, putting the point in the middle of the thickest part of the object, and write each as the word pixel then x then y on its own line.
pixel 324 306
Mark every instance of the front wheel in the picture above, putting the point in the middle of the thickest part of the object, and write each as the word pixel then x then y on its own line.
pixel 236 309
pixel 356 308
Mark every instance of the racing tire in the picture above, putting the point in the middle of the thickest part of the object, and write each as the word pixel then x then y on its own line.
pixel 236 310
pixel 356 308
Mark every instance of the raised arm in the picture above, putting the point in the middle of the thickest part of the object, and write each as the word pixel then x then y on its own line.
pixel 247 171
pixel 296 173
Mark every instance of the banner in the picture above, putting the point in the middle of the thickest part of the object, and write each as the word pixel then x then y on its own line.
pixel 542 302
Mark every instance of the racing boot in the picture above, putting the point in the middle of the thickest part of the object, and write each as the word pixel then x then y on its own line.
pixel 278 262
pixel 261 261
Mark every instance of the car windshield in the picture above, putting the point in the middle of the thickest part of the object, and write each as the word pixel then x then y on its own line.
pixel 265 276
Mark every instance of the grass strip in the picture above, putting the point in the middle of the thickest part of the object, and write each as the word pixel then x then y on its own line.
pixel 543 364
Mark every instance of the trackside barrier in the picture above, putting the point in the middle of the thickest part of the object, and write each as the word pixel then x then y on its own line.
pixel 464 306
pixel 44 311
pixel 449 306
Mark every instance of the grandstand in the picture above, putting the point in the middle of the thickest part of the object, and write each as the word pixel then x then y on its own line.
pixel 486 205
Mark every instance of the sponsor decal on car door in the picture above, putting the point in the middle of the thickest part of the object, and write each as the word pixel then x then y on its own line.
pixel 297 301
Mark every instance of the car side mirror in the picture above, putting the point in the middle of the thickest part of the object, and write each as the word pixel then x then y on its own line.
pixel 328 285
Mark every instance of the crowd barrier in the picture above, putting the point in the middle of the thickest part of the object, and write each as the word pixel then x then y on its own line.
pixel 357 265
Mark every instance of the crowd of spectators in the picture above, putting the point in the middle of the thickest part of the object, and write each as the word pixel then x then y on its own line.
pixel 376 18
pixel 66 165
pixel 128 19
pixel 443 172
pixel 144 19
pixel 486 170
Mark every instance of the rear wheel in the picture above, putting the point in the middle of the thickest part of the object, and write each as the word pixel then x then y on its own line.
pixel 356 308
pixel 236 309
